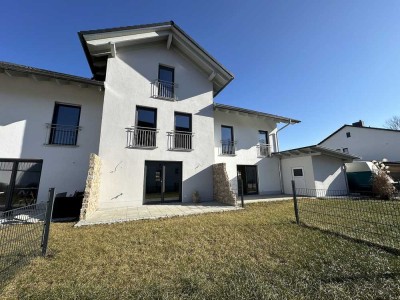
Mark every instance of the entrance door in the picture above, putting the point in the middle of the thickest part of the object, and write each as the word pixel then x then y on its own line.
pixel 163 182
pixel 250 180
pixel 298 177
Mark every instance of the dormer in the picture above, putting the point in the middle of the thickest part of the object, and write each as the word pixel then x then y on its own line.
pixel 101 44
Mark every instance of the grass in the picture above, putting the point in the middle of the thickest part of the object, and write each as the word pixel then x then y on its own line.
pixel 375 221
pixel 256 253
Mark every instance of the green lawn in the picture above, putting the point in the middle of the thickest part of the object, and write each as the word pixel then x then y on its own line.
pixel 256 253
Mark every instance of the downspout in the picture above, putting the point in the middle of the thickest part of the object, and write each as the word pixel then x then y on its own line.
pixel 280 158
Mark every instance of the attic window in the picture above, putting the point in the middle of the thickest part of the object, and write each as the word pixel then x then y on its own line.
pixel 348 134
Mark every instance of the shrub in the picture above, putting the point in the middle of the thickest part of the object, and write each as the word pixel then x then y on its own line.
pixel 382 185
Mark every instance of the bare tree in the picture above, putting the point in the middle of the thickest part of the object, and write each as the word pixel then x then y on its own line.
pixel 393 123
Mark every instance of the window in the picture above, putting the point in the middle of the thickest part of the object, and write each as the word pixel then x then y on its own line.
pixel 348 134
pixel 227 140
pixel 263 143
pixel 183 131
pixel 65 124
pixel 345 150
pixel 297 172
pixel 166 82
pixel 146 127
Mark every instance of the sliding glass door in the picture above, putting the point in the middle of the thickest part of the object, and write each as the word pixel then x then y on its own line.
pixel 163 182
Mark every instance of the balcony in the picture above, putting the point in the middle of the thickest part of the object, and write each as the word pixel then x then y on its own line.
pixel 263 150
pixel 228 147
pixel 141 137
pixel 164 90
pixel 62 135
pixel 180 141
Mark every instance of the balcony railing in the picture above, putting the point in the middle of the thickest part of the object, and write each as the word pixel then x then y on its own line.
pixel 180 140
pixel 228 147
pixel 141 137
pixel 57 134
pixel 264 150
pixel 164 90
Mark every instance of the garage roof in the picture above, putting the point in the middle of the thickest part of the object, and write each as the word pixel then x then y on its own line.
pixel 315 150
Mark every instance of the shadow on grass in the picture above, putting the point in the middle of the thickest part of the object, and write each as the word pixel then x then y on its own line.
pixel 371 278
pixel 10 265
pixel 388 249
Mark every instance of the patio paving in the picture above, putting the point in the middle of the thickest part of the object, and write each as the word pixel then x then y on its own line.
pixel 109 216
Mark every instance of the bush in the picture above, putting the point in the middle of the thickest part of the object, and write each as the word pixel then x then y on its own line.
pixel 382 186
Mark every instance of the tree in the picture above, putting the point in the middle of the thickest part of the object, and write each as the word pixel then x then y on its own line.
pixel 393 123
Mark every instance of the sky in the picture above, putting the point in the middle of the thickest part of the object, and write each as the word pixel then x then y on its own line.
pixel 326 63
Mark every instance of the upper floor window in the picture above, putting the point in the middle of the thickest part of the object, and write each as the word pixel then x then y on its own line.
pixel 263 143
pixel 348 134
pixel 145 133
pixel 227 140
pixel 183 131
pixel 65 124
pixel 166 84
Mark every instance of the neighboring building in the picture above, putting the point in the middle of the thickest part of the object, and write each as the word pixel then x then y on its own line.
pixel 314 168
pixel 150 120
pixel 368 143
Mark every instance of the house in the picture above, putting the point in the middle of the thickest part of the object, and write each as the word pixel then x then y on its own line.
pixel 315 170
pixel 368 143
pixel 145 129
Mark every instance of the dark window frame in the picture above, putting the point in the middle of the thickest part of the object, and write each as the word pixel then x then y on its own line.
pixel 167 68
pixel 146 108
pixel 348 134
pixel 297 169
pixel 53 125
pixel 186 115
pixel 232 133
pixel 266 136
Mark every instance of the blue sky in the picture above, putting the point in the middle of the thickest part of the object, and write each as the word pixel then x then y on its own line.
pixel 327 63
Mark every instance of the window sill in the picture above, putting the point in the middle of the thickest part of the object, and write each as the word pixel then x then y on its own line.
pixel 180 150
pixel 142 147
pixel 165 98
pixel 226 154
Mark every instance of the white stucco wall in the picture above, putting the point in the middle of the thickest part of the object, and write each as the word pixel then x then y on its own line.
pixel 320 172
pixel 329 173
pixel 245 130
pixel 368 144
pixel 304 162
pixel 127 85
pixel 26 106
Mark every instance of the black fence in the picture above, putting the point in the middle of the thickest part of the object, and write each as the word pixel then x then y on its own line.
pixel 362 217
pixel 24 234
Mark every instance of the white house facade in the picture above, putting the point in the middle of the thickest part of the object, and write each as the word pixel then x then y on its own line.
pixel 146 128
pixel 368 143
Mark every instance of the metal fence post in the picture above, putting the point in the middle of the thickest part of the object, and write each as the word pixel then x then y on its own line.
pixel 296 208
pixel 241 188
pixel 46 229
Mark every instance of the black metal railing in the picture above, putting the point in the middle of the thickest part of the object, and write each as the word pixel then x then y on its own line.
pixel 180 140
pixel 62 134
pixel 263 150
pixel 362 217
pixel 164 90
pixel 24 234
pixel 228 147
pixel 141 137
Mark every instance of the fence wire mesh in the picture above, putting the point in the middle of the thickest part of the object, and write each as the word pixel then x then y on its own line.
pixel 21 233
pixel 359 216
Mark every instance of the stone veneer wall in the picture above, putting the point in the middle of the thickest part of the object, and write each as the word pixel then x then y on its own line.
pixel 91 197
pixel 222 188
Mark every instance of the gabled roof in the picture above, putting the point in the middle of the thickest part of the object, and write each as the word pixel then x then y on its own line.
pixel 315 150
pixel 41 75
pixel 362 127
pixel 100 44
pixel 223 107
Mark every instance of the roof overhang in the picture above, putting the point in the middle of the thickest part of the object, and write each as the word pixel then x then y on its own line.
pixel 14 70
pixel 314 151
pixel 101 44
pixel 253 113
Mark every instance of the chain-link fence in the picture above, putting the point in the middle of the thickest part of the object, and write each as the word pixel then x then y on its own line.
pixel 24 234
pixel 363 217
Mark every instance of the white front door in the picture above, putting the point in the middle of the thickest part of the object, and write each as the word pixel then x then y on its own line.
pixel 298 177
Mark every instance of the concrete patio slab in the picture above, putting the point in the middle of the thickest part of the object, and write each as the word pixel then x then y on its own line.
pixel 109 216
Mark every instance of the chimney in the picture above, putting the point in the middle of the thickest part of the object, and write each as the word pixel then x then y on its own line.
pixel 358 124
